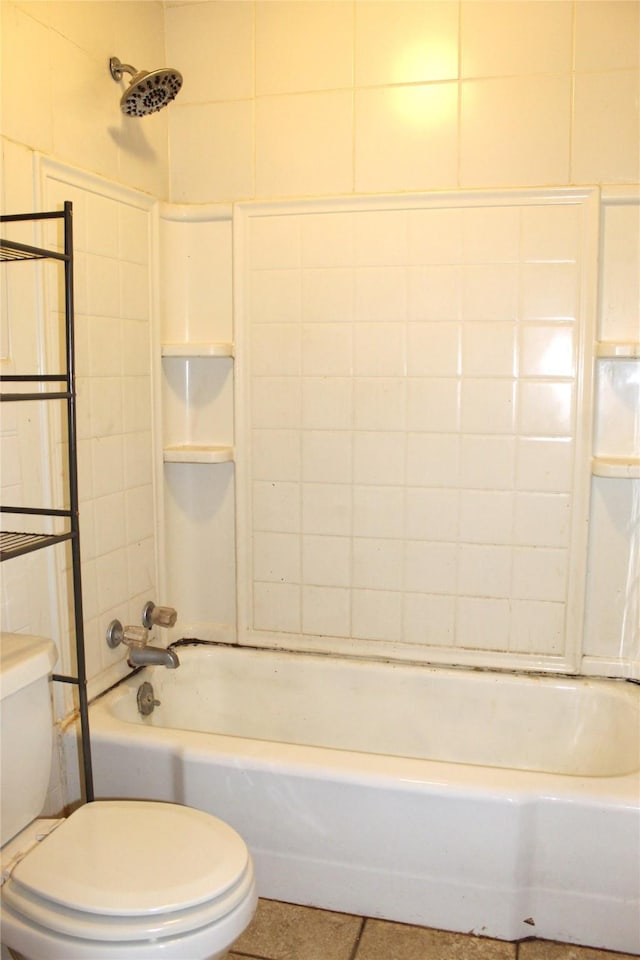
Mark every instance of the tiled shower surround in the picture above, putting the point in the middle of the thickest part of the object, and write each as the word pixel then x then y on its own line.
pixel 415 378
pixel 305 99
pixel 114 420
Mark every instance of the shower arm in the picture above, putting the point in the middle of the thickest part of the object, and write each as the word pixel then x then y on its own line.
pixel 117 68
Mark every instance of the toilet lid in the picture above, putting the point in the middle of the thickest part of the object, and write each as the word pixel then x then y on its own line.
pixel 134 859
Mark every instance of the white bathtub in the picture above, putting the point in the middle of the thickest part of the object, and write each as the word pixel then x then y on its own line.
pixel 464 800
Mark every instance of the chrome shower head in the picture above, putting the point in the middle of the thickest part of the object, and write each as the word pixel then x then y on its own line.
pixel 147 92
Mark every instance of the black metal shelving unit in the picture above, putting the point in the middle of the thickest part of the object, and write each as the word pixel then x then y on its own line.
pixel 16 543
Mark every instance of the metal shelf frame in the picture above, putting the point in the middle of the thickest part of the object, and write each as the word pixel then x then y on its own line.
pixel 15 543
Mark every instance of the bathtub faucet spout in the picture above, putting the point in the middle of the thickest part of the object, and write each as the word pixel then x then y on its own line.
pixel 141 653
pixel 148 656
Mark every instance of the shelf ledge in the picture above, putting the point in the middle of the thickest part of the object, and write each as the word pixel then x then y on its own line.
pixel 217 348
pixel 197 453
pixel 15 544
pixel 616 468
pixel 618 350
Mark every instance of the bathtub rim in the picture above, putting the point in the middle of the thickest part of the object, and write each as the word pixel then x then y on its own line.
pixel 543 675
pixel 576 684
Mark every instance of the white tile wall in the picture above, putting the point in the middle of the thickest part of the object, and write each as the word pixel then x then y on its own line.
pixel 286 63
pixel 112 286
pixel 223 155
pixel 319 98
pixel 515 130
pixel 220 67
pixel 73 113
pixel 422 41
pixel 426 494
pixel 407 135
pixel 606 112
pixel 511 39
pixel 320 124
pixel 112 242
pixel 28 593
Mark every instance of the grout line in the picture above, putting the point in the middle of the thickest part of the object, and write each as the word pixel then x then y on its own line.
pixel 250 956
pixel 354 953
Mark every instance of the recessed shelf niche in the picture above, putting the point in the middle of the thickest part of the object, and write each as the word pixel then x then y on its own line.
pixel 195 368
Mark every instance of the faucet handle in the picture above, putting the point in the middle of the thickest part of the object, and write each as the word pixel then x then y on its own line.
pixel 158 616
pixel 134 636
pixel 131 636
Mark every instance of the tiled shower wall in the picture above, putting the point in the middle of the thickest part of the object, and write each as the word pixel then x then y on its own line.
pixel 60 104
pixel 414 415
pixel 113 249
pixel 113 304
pixel 323 99
pixel 307 98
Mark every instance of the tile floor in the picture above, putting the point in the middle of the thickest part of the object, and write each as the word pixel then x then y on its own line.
pixel 284 931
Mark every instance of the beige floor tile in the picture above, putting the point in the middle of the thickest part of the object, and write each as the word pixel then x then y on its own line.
pixel 546 950
pixel 285 931
pixel 393 941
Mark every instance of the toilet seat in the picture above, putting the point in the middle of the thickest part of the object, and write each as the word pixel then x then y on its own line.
pixel 131 870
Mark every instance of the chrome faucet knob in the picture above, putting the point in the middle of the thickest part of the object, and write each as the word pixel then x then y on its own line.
pixel 132 636
pixel 146 699
pixel 153 616
pixel 135 636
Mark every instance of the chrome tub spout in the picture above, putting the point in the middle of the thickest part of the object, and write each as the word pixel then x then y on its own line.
pixel 141 654
pixel 148 656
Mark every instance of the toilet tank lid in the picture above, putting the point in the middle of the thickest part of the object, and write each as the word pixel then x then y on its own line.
pixel 24 658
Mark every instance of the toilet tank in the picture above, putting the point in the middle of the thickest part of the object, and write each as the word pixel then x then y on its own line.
pixel 25 729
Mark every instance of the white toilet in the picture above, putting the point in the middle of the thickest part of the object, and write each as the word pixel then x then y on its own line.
pixel 118 879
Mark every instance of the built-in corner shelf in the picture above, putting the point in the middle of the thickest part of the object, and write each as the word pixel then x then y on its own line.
pixel 197 453
pixel 616 468
pixel 186 350
pixel 618 350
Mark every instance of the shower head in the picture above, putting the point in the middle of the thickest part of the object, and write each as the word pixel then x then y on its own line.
pixel 147 92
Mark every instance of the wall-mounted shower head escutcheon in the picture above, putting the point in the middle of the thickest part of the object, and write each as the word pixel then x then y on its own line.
pixel 153 616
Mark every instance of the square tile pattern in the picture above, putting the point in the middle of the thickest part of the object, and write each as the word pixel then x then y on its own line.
pixel 413 422
pixel 113 308
pixel 417 96
pixel 285 931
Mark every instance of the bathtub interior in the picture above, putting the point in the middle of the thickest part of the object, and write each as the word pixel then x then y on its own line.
pixel 549 724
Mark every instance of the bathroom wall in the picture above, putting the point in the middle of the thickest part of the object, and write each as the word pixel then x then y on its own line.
pixel 412 461
pixel 58 97
pixel 313 98
pixel 307 100
pixel 64 137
